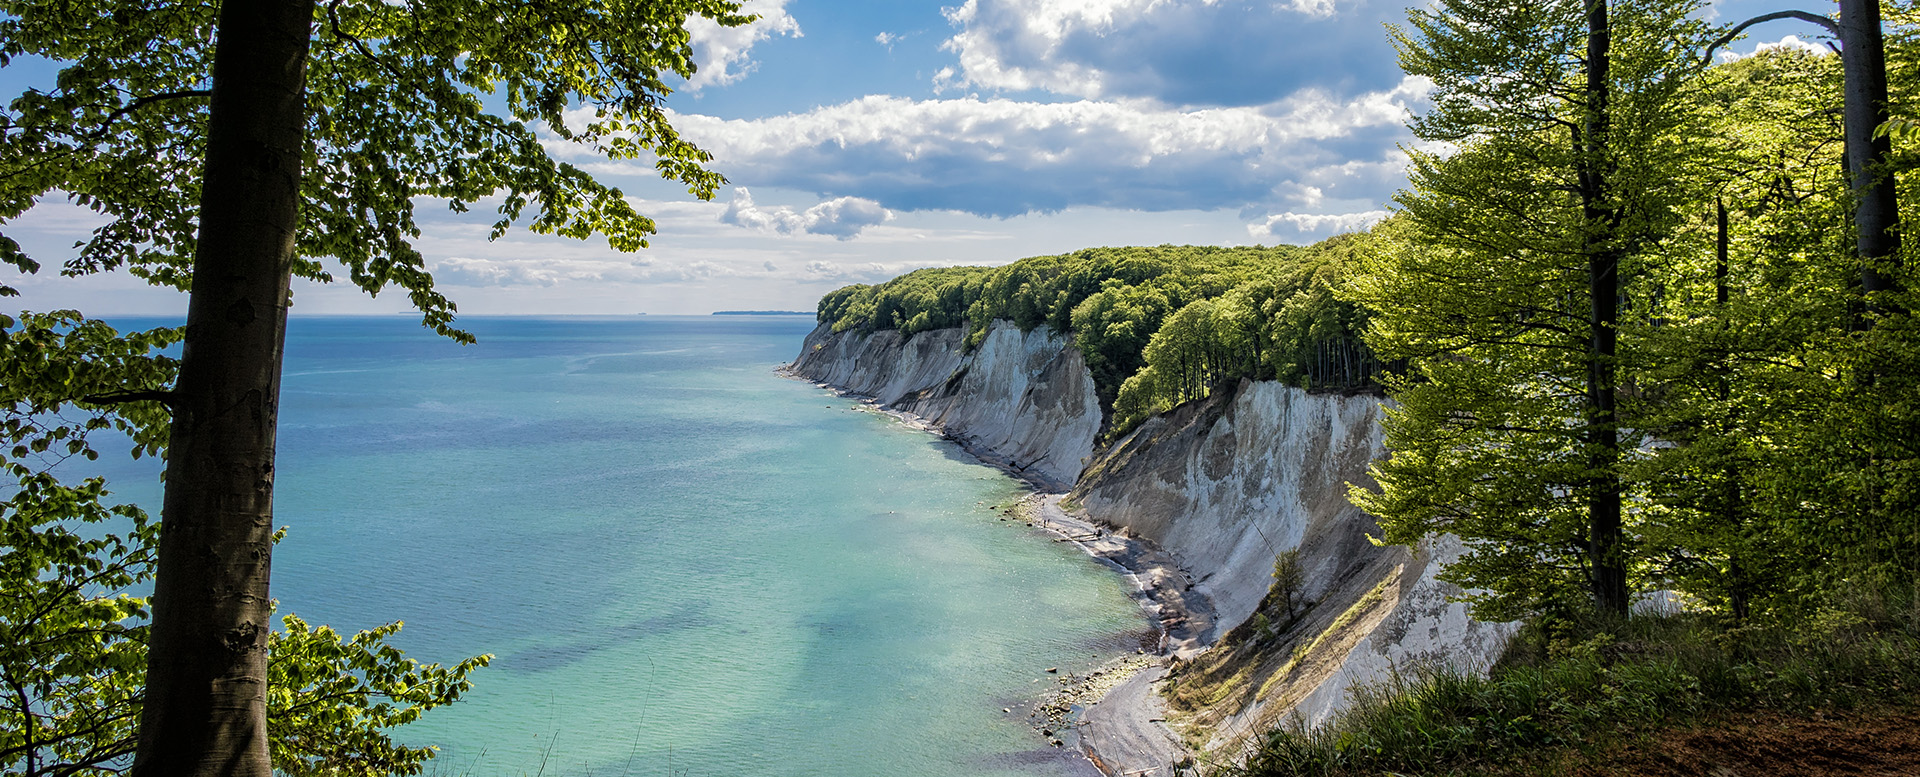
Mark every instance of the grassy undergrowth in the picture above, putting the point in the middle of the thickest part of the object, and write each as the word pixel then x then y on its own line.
pixel 1569 689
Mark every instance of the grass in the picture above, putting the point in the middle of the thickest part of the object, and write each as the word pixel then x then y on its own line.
pixel 1570 690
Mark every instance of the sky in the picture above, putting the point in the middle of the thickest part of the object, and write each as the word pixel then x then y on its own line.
pixel 865 138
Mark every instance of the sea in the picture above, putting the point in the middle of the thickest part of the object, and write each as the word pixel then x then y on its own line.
pixel 682 562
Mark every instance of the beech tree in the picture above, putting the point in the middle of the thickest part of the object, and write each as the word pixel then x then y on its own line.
pixel 231 146
pixel 1501 285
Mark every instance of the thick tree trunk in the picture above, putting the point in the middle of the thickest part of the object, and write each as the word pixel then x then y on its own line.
pixel 205 709
pixel 1606 551
pixel 1877 213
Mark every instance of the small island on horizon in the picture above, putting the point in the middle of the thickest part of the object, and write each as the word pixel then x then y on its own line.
pixel 763 312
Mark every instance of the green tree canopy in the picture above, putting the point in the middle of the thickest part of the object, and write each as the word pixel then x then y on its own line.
pixel 1503 287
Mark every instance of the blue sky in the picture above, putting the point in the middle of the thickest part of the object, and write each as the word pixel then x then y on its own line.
pixel 865 138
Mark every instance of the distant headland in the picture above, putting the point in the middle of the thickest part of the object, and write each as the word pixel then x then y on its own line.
pixel 763 312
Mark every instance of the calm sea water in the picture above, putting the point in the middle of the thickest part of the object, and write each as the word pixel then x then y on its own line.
pixel 683 563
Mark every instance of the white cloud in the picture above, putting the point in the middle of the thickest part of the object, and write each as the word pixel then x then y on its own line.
pixel 1289 225
pixel 946 79
pixel 842 217
pixel 1002 157
pixel 865 272
pixel 886 39
pixel 1302 194
pixel 1788 43
pixel 1193 52
pixel 721 53
pixel 1312 7
pixel 552 272
pixel 466 271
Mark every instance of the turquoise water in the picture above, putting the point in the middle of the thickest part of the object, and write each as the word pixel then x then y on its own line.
pixel 683 563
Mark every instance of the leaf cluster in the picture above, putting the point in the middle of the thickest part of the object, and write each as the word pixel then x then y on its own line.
pixel 330 700
pixel 409 103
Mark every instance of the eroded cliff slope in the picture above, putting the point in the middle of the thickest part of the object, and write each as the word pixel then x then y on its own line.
pixel 1223 485
pixel 1255 470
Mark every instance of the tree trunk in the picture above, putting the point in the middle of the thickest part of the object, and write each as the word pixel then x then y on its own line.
pixel 205 708
pixel 1606 551
pixel 1877 213
pixel 1732 505
pixel 1721 243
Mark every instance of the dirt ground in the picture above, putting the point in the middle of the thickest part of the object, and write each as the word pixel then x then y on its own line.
pixel 1774 745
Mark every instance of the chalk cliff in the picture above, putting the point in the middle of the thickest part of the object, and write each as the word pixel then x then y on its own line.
pixel 1023 399
pixel 1222 485
pixel 1257 469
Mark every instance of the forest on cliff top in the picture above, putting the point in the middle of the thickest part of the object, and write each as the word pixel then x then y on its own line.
pixel 1157 326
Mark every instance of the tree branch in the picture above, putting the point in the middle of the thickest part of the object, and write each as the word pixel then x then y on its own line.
pixel 333 21
pixel 1832 27
pixel 119 397
pixel 107 123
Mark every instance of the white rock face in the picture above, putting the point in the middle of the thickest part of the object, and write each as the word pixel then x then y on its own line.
pixel 1230 483
pixel 1024 399
pixel 1263 468
pixel 1222 484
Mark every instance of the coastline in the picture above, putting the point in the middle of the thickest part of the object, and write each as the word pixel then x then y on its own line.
pixel 1114 715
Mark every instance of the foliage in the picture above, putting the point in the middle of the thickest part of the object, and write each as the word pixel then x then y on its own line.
pixel 397 115
pixel 1486 288
pixel 1773 482
pixel 1783 400
pixel 454 102
pixel 1198 346
pixel 71 643
pixel 933 298
pixel 1289 582
pixel 1748 329
pixel 73 639
pixel 330 701
pixel 1285 324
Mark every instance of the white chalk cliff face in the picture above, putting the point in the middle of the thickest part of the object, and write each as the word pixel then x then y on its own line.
pixel 1228 482
pixel 1222 484
pixel 1024 399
